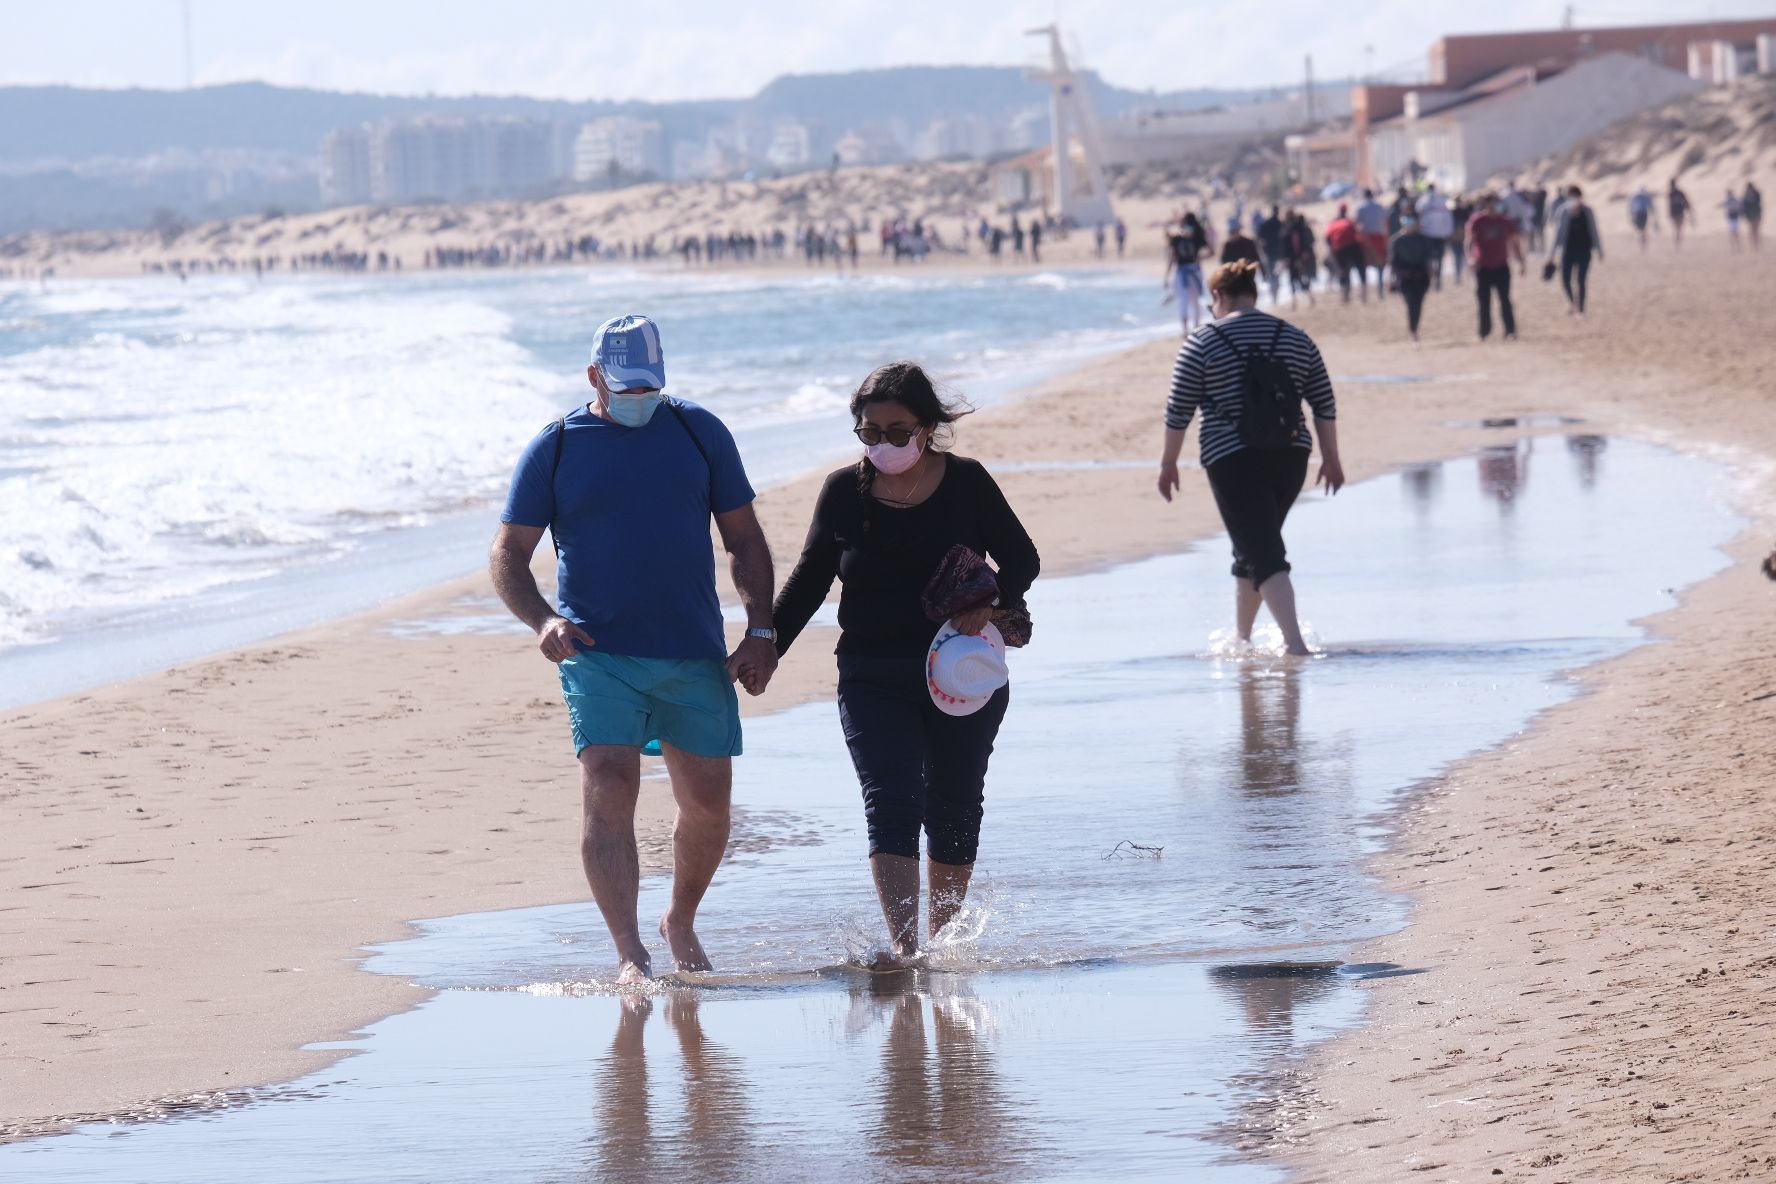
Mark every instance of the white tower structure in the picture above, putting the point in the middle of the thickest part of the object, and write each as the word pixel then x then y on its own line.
pixel 1085 199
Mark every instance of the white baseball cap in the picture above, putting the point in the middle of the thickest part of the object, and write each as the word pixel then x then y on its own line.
pixel 964 670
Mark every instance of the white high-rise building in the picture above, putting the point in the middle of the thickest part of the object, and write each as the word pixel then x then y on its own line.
pixel 616 146
pixel 798 145
pixel 345 167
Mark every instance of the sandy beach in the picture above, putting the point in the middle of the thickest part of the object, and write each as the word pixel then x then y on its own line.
pixel 198 855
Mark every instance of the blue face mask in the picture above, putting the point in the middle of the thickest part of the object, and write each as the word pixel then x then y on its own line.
pixel 633 411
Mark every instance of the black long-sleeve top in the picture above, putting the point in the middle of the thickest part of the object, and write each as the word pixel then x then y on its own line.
pixel 887 554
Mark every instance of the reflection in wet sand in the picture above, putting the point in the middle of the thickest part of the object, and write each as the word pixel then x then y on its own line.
pixel 1270 993
pixel 1504 472
pixel 1270 726
pixel 1586 451
pixel 940 1096
pixel 710 1139
pixel 1423 483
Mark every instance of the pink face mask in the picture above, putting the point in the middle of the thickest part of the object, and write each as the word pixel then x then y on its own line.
pixel 891 460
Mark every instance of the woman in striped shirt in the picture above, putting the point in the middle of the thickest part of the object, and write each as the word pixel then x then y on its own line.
pixel 1253 486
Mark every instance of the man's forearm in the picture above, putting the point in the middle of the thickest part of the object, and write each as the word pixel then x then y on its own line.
pixel 517 587
pixel 754 579
pixel 1174 446
pixel 1327 430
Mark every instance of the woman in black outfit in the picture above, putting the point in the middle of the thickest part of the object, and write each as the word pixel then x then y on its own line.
pixel 883 526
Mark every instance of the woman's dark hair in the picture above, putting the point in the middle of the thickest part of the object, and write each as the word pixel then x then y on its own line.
pixel 1189 219
pixel 907 383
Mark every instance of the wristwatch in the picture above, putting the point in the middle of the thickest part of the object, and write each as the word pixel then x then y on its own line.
pixel 768 634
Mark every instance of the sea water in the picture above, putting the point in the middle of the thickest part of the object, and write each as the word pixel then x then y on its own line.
pixel 1171 876
pixel 189 466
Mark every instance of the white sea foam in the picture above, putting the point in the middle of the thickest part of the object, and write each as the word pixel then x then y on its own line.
pixel 192 443
pixel 159 439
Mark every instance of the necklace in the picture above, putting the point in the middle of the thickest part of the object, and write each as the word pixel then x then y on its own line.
pixel 912 494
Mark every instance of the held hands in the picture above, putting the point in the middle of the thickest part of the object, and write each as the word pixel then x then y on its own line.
pixel 1331 475
pixel 752 664
pixel 557 637
pixel 1168 479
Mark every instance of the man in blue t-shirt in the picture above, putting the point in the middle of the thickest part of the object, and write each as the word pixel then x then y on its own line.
pixel 627 485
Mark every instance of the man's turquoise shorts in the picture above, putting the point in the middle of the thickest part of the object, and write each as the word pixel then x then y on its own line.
pixel 687 703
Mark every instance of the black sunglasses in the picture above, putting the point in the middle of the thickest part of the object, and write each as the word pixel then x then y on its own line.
pixel 871 434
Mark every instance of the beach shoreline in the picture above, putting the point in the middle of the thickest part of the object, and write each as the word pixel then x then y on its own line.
pixel 336 701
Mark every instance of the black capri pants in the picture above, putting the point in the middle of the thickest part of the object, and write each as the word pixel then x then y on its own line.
pixel 1254 489
pixel 917 767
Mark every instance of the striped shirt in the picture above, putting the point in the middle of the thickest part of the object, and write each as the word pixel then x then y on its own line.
pixel 1210 376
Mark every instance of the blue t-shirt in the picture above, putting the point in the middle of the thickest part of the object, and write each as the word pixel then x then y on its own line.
pixel 630 509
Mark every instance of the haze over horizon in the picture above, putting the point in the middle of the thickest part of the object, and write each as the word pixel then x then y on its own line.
pixel 693 49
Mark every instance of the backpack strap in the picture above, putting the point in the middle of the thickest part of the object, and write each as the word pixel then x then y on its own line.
pixel 560 438
pixel 685 423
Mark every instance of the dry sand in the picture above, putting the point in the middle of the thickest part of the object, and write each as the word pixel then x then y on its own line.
pixel 193 858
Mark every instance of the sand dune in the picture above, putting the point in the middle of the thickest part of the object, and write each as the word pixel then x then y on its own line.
pixel 1710 141
pixel 949 195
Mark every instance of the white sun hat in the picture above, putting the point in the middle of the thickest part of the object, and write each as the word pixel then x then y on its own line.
pixel 964 670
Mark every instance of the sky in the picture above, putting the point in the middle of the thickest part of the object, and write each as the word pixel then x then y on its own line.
pixel 690 49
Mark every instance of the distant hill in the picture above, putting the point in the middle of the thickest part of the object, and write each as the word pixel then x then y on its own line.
pixel 40 123
pixel 1720 137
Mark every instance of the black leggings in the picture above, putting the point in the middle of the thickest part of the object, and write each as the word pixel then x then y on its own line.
pixel 1413 286
pixel 1254 489
pixel 1573 270
pixel 918 767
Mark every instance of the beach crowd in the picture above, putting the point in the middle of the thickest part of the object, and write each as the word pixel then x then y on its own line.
pixel 1407 246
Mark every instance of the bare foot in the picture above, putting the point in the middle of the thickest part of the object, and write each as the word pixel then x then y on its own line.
pixel 687 951
pixel 632 971
pixel 889 961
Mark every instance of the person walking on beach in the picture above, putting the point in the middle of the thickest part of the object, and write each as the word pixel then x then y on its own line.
pixel 1412 256
pixel 1677 208
pixel 1270 234
pixel 1734 209
pixel 1298 245
pixel 919 739
pixel 1751 204
pixel 1641 210
pixel 1349 256
pixel 1436 223
pixel 1493 241
pixel 1122 234
pixel 1372 222
pixel 1185 245
pixel 1247 372
pixel 627 485
pixel 1460 212
pixel 1237 246
pixel 1575 241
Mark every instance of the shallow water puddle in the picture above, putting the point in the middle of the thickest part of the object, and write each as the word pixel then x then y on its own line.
pixel 1169 881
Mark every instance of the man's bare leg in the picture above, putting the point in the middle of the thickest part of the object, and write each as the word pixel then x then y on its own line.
pixel 1246 602
pixel 897 884
pixel 948 890
pixel 1279 597
pixel 703 788
pixel 610 781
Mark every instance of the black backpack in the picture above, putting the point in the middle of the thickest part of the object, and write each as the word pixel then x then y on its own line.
pixel 1270 403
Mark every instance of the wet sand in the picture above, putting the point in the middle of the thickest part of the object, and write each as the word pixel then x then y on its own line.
pixel 1595 899
pixel 225 835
